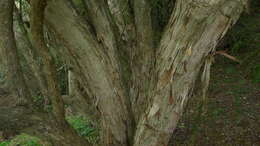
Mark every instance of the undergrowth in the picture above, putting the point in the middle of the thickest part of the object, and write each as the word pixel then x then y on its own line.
pixel 22 140
pixel 84 128
pixel 82 125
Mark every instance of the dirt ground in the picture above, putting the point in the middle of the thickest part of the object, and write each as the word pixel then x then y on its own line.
pixel 233 112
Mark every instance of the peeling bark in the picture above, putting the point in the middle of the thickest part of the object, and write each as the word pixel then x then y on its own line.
pixel 146 111
pixel 143 58
pixel 192 34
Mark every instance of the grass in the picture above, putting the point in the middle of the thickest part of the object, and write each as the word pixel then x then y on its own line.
pixel 23 140
pixel 84 128
pixel 5 143
pixel 82 125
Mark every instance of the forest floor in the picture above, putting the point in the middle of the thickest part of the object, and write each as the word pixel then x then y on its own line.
pixel 233 112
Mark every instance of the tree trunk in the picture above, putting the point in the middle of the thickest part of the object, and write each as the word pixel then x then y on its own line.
pixel 140 108
pixel 58 111
pixel 16 118
pixel 14 75
pixel 190 37
pixel 98 66
pixel 30 54
pixel 163 87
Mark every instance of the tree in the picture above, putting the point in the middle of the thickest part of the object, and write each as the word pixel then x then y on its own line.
pixel 136 63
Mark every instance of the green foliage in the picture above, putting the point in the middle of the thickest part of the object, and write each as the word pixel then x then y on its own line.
pixel 5 143
pixel 84 127
pixel 256 74
pixel 244 36
pixel 23 140
pixel 229 69
pixel 243 42
pixel 38 99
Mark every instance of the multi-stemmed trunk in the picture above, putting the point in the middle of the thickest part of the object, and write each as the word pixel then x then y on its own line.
pixel 138 85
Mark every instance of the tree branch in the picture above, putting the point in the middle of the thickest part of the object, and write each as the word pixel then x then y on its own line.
pixel 8 48
pixel 98 64
pixel 103 23
pixel 37 21
pixel 143 57
pixel 31 55
pixel 124 18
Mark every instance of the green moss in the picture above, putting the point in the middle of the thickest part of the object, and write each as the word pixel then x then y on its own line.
pixel 23 140
pixel 84 128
